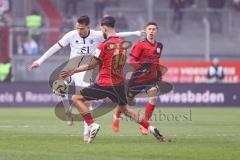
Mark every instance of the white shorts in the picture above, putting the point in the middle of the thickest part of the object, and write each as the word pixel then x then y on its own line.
pixel 78 80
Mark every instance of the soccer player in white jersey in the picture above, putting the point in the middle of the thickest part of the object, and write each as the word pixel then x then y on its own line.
pixel 82 41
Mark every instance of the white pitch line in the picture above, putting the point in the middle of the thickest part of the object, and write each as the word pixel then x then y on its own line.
pixel 14 126
pixel 117 135
pixel 80 135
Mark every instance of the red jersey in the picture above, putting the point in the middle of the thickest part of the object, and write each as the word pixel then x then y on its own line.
pixel 144 53
pixel 112 55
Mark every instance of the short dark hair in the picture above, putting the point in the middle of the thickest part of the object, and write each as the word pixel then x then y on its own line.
pixel 83 20
pixel 151 23
pixel 108 21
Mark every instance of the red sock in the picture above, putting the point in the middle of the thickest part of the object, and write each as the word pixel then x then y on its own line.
pixel 144 123
pixel 118 112
pixel 88 119
pixel 149 110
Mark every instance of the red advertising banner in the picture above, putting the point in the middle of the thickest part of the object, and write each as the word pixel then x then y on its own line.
pixel 196 71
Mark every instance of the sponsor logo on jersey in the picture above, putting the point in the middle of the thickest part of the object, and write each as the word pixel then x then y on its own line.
pixel 97 53
pixel 91 41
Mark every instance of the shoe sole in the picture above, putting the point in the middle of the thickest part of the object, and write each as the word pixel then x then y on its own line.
pixel 69 119
pixel 158 135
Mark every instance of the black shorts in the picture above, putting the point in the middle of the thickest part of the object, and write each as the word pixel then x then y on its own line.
pixel 136 88
pixel 96 92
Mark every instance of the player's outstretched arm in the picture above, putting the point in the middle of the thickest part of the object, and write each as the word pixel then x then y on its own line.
pixel 93 62
pixel 45 56
pixel 63 42
pixel 127 34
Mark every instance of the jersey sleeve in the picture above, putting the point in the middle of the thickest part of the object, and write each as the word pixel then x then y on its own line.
pixel 128 34
pixel 49 53
pixel 136 51
pixel 134 56
pixel 99 53
pixel 65 40
pixel 99 35
pixel 162 69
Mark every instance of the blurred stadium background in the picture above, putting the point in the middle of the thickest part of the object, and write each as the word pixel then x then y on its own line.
pixel 193 34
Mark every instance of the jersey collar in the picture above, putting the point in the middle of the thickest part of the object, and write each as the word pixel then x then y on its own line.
pixel 86 35
pixel 152 44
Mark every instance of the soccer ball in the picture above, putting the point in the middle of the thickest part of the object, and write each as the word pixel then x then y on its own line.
pixel 60 87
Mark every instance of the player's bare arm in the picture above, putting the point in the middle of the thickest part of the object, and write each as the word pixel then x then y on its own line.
pixel 93 62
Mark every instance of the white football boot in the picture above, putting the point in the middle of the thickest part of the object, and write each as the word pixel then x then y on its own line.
pixel 93 130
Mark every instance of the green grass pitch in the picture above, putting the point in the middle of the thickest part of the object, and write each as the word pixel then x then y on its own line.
pixel 36 134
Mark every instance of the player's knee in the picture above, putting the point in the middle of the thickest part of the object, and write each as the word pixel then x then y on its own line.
pixel 153 91
pixel 76 98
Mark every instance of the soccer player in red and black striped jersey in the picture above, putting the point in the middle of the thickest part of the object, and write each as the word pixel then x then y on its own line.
pixel 110 56
pixel 147 72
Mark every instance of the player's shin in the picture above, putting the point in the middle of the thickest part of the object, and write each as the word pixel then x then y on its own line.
pixel 82 108
pixel 117 112
pixel 85 126
pixel 66 104
pixel 68 110
pixel 115 121
pixel 149 110
pixel 135 116
pixel 152 98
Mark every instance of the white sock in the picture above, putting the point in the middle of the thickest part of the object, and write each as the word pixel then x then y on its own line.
pixel 85 128
pixel 151 129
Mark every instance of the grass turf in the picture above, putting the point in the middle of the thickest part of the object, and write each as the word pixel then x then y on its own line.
pixel 206 134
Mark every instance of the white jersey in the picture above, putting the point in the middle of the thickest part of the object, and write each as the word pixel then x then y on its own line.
pixel 81 46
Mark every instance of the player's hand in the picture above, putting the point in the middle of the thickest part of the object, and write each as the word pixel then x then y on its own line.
pixel 66 74
pixel 35 64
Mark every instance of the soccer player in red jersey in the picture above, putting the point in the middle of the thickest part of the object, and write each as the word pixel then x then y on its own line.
pixel 110 56
pixel 147 72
